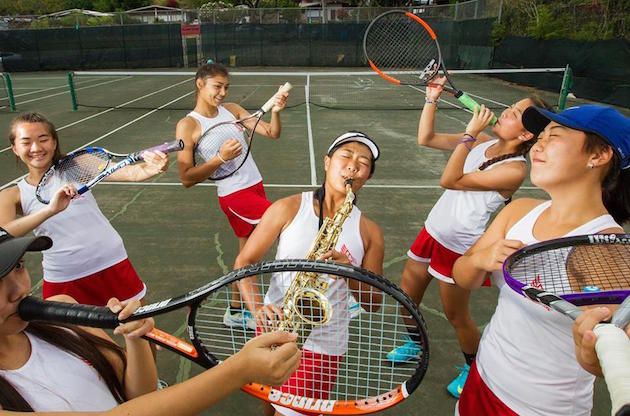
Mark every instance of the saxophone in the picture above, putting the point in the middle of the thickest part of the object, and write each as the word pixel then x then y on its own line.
pixel 304 304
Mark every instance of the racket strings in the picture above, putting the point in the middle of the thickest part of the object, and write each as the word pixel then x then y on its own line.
pixel 344 359
pixel 574 269
pixel 210 144
pixel 77 170
pixel 398 43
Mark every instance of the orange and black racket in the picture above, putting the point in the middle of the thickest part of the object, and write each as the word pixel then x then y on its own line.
pixel 403 49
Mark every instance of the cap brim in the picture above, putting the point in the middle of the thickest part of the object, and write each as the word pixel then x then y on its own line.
pixel 14 248
pixel 359 139
pixel 536 119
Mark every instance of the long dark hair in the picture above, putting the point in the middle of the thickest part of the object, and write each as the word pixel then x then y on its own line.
pixel 616 182
pixel 78 342
pixel 33 117
pixel 524 147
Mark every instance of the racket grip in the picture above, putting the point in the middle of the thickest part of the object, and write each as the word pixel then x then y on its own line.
pixel 168 147
pixel 613 351
pixel 471 104
pixel 34 309
pixel 267 106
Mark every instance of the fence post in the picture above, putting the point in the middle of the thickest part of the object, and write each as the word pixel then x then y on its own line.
pixel 500 11
pixel 567 85
pixel 9 86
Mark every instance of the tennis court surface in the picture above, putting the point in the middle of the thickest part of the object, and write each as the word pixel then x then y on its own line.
pixel 178 238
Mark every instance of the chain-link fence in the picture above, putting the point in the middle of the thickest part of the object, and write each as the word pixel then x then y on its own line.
pixel 333 13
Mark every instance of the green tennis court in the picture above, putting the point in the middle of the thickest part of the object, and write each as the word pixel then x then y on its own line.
pixel 178 238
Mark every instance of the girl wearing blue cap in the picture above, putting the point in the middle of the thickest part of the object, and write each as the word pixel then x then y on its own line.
pixel 581 161
pixel 64 368
pixel 480 177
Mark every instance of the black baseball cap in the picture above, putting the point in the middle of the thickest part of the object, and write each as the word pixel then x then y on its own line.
pixel 13 248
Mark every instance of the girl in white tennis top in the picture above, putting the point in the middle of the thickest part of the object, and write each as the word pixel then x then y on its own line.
pixel 89 261
pixel 526 362
pixel 241 195
pixel 480 177
pixel 75 370
pixel 294 223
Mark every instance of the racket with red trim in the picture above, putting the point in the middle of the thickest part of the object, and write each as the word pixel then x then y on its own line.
pixel 403 49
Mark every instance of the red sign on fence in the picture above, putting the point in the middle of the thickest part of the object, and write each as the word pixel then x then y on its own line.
pixel 191 30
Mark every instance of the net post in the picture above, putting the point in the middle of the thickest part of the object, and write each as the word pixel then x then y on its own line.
pixel 73 95
pixel 565 89
pixel 9 86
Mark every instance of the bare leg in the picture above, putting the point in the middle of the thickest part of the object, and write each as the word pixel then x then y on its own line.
pixel 455 302
pixel 414 282
pixel 236 298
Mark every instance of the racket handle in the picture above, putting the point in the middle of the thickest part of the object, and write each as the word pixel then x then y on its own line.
pixel 613 351
pixel 471 104
pixel 267 106
pixel 34 309
pixel 168 147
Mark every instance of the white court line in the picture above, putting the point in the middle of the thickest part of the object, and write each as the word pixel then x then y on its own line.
pixel 309 130
pixel 110 133
pixel 279 185
pixel 113 108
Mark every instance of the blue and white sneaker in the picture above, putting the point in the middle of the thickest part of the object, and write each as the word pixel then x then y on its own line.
pixel 241 320
pixel 456 386
pixel 407 352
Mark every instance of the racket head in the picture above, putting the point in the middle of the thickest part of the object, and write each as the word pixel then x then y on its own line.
pixel 211 141
pixel 572 267
pixel 361 380
pixel 77 168
pixel 402 48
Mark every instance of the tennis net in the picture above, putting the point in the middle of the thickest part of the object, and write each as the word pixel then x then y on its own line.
pixel 358 90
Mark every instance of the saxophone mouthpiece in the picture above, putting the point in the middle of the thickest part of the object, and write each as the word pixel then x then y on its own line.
pixel 348 182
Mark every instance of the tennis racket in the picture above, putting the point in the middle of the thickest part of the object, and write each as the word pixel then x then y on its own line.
pixel 87 167
pixel 569 272
pixel 242 130
pixel 359 380
pixel 403 49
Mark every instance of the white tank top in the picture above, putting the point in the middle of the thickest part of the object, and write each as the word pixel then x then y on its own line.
pixel 459 218
pixel 526 354
pixel 53 380
pixel 294 243
pixel 248 174
pixel 84 242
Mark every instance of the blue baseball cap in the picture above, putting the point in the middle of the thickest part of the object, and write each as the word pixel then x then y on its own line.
pixel 604 121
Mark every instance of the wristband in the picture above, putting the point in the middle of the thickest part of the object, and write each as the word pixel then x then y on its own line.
pixel 220 158
pixel 467 140
pixel 430 101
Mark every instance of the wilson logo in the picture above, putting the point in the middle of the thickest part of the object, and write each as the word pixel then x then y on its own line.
pixel 608 239
pixel 299 402
pixel 153 306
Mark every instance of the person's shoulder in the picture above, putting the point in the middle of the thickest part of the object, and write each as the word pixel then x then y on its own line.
pixel 371 228
pixel 289 203
pixel 518 208
pixel 11 194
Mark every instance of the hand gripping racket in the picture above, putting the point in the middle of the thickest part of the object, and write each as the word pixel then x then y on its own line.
pixel 87 167
pixel 242 130
pixel 357 379
pixel 569 272
pixel 403 49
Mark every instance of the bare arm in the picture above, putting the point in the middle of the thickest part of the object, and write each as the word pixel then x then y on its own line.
pixel 18 227
pixel 426 132
pixel 277 216
pixel 256 362
pixel 154 163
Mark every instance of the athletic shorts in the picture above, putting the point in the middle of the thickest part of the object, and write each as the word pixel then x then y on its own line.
pixel 118 281
pixel 477 398
pixel 245 208
pixel 427 249
pixel 317 373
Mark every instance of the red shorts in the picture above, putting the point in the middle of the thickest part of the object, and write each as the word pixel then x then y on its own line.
pixel 478 399
pixel 427 249
pixel 316 374
pixel 245 208
pixel 118 281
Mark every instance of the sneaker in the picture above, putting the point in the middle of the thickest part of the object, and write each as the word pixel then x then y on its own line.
pixel 406 352
pixel 242 319
pixel 456 386
pixel 161 384
pixel 354 308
